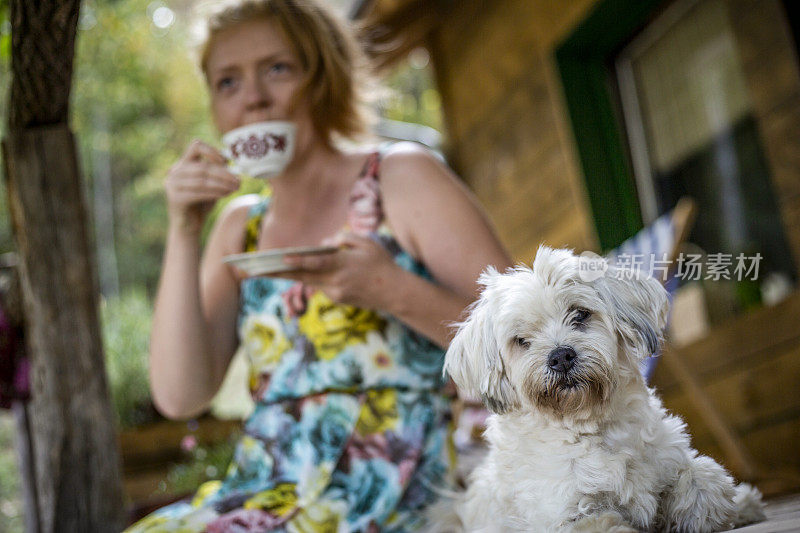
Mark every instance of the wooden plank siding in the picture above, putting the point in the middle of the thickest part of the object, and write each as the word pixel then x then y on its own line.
pixel 750 367
pixel 508 134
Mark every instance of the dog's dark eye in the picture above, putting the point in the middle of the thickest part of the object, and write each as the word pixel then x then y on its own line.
pixel 519 341
pixel 581 315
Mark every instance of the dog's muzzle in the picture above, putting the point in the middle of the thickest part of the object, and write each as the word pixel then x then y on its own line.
pixel 568 383
pixel 562 359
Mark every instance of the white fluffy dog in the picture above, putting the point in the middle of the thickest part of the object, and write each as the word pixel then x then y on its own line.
pixel 577 441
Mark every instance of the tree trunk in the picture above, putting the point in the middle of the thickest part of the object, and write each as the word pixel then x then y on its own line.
pixel 73 442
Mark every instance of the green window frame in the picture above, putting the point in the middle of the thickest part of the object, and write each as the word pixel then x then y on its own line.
pixel 583 60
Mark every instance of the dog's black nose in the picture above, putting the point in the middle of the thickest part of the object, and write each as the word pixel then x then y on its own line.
pixel 562 359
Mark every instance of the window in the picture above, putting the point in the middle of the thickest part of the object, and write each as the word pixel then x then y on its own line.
pixel 660 109
pixel 691 131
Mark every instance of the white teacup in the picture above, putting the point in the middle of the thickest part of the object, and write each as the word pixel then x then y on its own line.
pixel 260 150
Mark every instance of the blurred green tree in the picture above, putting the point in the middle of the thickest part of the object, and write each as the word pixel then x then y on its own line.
pixel 412 95
pixel 5 80
pixel 138 101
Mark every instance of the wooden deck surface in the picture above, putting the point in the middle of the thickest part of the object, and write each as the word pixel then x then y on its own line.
pixel 783 515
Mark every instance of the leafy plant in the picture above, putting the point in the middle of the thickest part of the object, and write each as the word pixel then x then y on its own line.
pixel 5 32
pixel 126 331
pixel 10 498
pixel 204 463
pixel 138 100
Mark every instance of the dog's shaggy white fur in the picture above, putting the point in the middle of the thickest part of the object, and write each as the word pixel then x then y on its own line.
pixel 577 441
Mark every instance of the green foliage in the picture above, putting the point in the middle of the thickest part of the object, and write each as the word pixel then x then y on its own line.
pixel 126 332
pixel 5 32
pixel 413 96
pixel 10 499
pixel 126 326
pixel 138 100
pixel 5 80
pixel 204 463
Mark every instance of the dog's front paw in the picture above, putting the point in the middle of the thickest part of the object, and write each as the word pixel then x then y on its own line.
pixel 749 506
pixel 605 522
pixel 701 499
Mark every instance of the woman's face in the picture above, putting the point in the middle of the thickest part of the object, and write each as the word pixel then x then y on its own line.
pixel 253 73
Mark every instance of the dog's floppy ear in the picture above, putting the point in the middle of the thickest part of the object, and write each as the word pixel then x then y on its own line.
pixel 473 359
pixel 639 307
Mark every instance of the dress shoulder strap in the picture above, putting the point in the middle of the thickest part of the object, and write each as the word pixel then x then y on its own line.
pixel 365 214
pixel 253 224
pixel 372 166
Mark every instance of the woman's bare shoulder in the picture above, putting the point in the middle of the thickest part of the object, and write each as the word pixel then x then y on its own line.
pixel 411 172
pixel 420 190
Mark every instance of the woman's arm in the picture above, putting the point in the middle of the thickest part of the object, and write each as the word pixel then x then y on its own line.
pixel 438 220
pixel 193 333
pixel 427 308
pixel 194 323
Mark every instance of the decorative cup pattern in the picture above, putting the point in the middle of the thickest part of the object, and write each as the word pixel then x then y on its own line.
pixel 256 147
pixel 260 150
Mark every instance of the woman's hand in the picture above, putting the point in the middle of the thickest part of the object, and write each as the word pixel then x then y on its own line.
pixel 360 273
pixel 195 183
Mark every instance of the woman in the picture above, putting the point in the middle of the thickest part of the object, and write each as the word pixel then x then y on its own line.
pixel 349 431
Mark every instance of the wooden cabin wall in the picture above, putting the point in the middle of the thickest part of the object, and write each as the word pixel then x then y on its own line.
pixel 509 136
pixel 507 128
pixel 769 59
pixel 750 368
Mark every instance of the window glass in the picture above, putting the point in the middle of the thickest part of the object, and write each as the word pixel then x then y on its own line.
pixel 692 132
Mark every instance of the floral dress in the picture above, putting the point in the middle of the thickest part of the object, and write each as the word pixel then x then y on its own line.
pixel 351 429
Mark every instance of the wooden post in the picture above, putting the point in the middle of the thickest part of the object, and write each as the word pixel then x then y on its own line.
pixel 74 452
